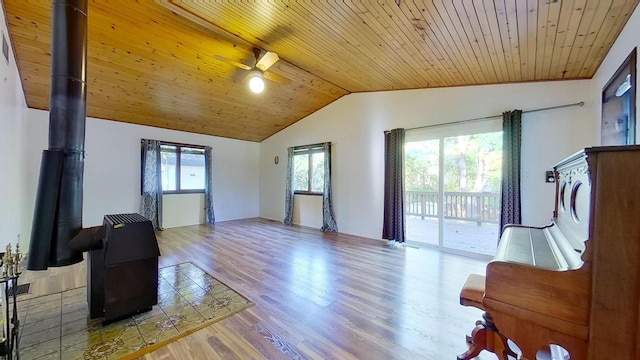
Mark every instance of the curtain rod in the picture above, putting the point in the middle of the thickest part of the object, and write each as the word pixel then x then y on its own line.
pixel 317 145
pixel 581 103
pixel 162 142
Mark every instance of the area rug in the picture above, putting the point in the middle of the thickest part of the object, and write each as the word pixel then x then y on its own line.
pixel 57 326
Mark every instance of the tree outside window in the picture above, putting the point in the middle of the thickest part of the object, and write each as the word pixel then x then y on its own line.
pixel 308 170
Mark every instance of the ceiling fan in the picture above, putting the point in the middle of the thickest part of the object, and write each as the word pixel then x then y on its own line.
pixel 259 71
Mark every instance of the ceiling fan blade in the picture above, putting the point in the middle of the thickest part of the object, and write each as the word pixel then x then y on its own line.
pixel 267 60
pixel 276 78
pixel 234 63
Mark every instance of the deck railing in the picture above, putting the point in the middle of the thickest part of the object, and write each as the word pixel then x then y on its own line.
pixel 482 207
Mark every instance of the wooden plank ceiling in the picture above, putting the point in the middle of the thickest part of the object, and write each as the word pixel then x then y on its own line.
pixel 154 63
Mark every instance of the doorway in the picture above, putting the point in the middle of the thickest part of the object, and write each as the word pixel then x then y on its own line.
pixel 452 187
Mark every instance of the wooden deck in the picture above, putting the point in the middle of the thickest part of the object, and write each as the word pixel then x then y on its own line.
pixel 318 295
pixel 458 234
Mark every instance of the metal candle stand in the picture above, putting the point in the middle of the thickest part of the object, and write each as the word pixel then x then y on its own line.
pixel 10 264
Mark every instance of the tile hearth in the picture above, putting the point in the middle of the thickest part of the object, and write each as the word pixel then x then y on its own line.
pixel 57 326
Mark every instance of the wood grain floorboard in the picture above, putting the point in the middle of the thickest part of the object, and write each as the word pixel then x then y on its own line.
pixel 318 295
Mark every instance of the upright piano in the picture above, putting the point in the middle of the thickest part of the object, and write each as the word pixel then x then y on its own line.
pixel 576 282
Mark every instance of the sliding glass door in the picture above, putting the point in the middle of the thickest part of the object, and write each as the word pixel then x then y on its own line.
pixel 422 191
pixel 452 181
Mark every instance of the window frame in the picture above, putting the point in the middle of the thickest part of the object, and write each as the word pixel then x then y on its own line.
pixel 178 147
pixel 308 150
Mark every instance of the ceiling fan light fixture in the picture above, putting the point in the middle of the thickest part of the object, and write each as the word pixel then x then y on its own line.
pixel 256 83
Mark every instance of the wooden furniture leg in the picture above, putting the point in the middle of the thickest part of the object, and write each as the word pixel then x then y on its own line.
pixel 485 336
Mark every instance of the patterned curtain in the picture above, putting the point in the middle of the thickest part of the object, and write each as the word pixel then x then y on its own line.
pixel 328 218
pixel 288 198
pixel 151 203
pixel 511 139
pixel 210 217
pixel 393 222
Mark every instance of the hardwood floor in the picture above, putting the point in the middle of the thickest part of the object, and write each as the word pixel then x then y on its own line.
pixel 318 295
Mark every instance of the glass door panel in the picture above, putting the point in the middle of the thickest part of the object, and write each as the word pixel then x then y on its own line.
pixel 422 179
pixel 471 198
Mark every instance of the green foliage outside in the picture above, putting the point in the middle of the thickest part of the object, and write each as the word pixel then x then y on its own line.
pixel 421 165
pixel 471 163
pixel 301 172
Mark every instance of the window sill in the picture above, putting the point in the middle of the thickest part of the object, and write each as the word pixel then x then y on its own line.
pixel 307 193
pixel 183 192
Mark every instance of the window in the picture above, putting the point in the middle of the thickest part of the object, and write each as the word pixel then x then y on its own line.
pixel 308 170
pixel 182 167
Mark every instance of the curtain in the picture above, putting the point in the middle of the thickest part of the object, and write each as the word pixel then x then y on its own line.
pixel 511 139
pixel 209 217
pixel 393 222
pixel 151 203
pixel 288 198
pixel 328 218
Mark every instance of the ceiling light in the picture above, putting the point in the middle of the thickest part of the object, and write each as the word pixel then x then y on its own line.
pixel 256 84
pixel 624 87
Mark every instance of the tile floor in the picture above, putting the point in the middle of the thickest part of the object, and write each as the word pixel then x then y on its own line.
pixel 57 326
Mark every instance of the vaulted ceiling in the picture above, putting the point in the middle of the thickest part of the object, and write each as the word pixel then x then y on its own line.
pixel 162 63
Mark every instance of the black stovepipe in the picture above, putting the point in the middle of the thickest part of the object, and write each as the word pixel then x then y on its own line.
pixel 58 208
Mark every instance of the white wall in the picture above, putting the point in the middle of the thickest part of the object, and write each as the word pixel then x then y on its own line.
pixel 112 171
pixel 628 39
pixel 307 210
pixel 13 219
pixel 182 209
pixel 355 125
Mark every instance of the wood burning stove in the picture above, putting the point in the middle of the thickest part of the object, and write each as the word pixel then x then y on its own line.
pixel 123 268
